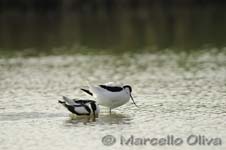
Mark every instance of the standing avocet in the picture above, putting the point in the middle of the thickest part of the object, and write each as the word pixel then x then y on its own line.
pixel 81 107
pixel 110 96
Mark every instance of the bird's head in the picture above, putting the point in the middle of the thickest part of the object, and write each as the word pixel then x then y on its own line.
pixel 128 88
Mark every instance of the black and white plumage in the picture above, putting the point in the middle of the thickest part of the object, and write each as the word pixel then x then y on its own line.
pixel 81 107
pixel 110 95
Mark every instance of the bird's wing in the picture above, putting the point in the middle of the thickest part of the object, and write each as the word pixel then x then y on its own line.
pixel 112 88
pixel 82 110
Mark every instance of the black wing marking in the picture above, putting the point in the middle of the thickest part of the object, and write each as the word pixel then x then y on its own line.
pixel 94 108
pixel 71 109
pixel 87 91
pixel 83 101
pixel 112 88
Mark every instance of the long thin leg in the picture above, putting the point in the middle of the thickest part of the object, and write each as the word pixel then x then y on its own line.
pixel 88 118
pixel 94 116
pixel 110 110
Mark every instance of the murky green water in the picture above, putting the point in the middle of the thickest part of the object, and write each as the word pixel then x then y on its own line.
pixel 178 93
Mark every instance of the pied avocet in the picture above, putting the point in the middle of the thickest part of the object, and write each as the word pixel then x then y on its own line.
pixel 81 107
pixel 109 95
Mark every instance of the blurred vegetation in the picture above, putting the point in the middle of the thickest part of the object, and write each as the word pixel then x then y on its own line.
pixel 113 25
pixel 95 5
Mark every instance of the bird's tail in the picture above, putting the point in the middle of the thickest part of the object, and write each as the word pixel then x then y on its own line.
pixel 63 103
pixel 69 107
pixel 68 100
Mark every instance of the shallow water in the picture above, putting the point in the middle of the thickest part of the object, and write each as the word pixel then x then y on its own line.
pixel 178 94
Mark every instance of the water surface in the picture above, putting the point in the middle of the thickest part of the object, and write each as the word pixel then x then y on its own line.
pixel 178 93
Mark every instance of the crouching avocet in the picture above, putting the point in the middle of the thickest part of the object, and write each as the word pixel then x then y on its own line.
pixel 81 107
pixel 109 95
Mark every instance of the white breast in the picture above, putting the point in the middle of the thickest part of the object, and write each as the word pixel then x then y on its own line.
pixel 110 99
